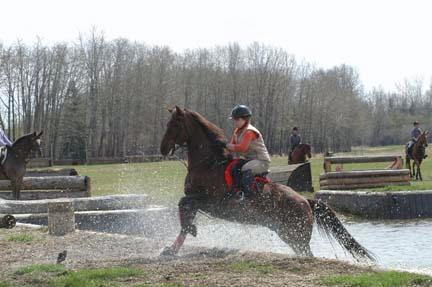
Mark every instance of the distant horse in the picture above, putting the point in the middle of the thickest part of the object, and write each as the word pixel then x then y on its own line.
pixel 15 158
pixel 418 153
pixel 276 206
pixel 298 155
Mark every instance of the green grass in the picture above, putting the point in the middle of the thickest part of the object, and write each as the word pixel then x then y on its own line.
pixel 248 266
pixel 96 277
pixel 3 284
pixel 21 237
pixel 163 181
pixel 55 275
pixel 39 268
pixel 378 279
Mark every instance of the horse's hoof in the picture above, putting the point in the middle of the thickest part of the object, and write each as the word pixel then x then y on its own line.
pixel 168 251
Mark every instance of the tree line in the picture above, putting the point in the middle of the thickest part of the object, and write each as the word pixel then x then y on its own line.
pixel 100 98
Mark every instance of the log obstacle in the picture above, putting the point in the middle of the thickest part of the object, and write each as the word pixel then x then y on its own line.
pixel 296 176
pixel 49 187
pixel 52 172
pixel 7 221
pixel 380 204
pixel 346 180
pixel 395 159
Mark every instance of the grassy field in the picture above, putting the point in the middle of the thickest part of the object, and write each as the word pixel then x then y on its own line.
pixel 163 181
pixel 262 273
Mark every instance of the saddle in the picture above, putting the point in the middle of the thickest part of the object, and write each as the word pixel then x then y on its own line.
pixel 233 177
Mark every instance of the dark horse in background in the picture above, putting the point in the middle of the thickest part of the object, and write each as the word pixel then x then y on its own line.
pixel 276 207
pixel 298 155
pixel 418 153
pixel 15 158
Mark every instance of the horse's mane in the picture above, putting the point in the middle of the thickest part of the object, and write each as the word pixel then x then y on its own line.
pixel 213 132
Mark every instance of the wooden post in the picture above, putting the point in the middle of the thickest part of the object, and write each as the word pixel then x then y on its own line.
pixel 61 218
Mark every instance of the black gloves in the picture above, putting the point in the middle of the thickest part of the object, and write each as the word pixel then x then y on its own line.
pixel 220 143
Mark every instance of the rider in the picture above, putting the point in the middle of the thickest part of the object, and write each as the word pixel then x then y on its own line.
pixel 247 143
pixel 415 133
pixel 294 140
pixel 4 140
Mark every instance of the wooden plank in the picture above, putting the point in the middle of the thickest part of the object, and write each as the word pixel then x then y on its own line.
pixel 365 173
pixel 361 159
pixel 362 185
pixel 355 180
pixel 39 162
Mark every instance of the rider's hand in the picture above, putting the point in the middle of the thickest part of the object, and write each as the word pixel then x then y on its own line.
pixel 230 147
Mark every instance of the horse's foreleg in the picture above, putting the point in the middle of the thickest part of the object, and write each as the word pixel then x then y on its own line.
pixel 419 175
pixel 187 212
pixel 408 166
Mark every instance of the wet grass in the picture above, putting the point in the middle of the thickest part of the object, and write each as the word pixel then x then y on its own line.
pixel 378 279
pixel 21 237
pixel 163 181
pixel 39 268
pixel 251 266
pixel 54 275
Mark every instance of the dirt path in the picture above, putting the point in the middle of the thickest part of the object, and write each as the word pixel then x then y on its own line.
pixel 24 246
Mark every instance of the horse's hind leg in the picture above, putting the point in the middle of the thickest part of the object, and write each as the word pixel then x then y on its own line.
pixel 298 241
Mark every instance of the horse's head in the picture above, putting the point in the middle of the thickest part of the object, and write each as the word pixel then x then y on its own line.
pixel 176 132
pixel 423 140
pixel 30 143
pixel 307 150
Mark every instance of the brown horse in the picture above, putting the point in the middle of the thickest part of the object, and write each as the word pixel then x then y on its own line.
pixel 418 153
pixel 13 167
pixel 298 155
pixel 277 207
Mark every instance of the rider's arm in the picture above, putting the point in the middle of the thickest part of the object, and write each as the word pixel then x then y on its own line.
pixel 243 146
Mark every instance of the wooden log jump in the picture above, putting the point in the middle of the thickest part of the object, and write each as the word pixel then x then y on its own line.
pixel 52 172
pixel 347 180
pixel 49 187
pixel 395 159
pixel 39 162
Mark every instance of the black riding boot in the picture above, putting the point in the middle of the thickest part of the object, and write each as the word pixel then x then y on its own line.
pixel 247 181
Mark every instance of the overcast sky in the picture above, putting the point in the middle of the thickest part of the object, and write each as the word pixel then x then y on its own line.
pixel 386 41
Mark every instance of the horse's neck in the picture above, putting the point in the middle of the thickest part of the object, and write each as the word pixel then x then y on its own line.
pixel 20 150
pixel 200 151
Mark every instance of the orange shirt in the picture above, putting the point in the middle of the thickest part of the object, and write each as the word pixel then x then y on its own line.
pixel 243 146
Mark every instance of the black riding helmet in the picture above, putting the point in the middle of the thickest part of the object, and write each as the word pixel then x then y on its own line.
pixel 415 123
pixel 240 111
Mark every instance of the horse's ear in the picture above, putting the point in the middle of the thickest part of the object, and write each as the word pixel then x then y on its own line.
pixel 34 134
pixel 39 135
pixel 179 111
pixel 170 110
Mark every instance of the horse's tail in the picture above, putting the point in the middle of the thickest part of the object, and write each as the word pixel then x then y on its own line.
pixel 331 225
